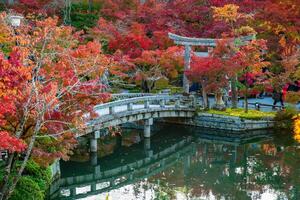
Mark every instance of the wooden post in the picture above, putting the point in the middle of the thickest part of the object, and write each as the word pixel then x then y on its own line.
pixel 187 60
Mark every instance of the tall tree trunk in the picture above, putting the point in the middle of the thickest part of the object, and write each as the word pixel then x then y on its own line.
pixel 204 96
pixel 234 98
pixel 246 100
pixel 4 183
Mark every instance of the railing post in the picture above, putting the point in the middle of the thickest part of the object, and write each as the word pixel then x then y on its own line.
pixel 111 110
pixel 162 103
pixel 177 103
pixel 130 106
pixel 147 104
pixel 194 101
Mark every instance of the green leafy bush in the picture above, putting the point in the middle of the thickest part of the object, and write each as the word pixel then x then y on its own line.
pixel 27 189
pixel 34 170
pixel 33 184
pixel 81 18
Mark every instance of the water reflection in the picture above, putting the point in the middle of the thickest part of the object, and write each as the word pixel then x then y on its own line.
pixel 177 163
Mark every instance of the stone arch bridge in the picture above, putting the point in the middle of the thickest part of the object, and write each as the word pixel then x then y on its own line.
pixel 131 108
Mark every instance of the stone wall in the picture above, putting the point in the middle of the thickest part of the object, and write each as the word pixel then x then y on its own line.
pixel 223 122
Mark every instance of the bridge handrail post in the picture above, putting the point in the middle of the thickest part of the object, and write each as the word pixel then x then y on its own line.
pixel 194 101
pixel 147 104
pixel 130 106
pixel 177 103
pixel 162 103
pixel 111 110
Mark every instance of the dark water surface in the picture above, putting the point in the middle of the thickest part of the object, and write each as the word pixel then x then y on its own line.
pixel 184 163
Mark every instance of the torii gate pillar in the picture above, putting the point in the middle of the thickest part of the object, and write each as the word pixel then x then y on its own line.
pixel 187 61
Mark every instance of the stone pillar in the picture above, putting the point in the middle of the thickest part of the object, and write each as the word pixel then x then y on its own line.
pixel 94 158
pixel 93 141
pixel 147 128
pixel 147 147
pixel 187 60
pixel 97 172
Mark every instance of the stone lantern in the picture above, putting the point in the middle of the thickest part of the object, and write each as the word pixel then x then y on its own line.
pixel 15 20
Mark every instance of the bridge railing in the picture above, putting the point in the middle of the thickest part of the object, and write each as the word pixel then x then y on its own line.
pixel 130 95
pixel 162 101
pixel 120 96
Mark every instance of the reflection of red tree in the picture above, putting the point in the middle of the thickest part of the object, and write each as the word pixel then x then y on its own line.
pixel 269 149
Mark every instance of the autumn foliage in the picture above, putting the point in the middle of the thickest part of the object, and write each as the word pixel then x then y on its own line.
pixel 49 81
pixel 50 73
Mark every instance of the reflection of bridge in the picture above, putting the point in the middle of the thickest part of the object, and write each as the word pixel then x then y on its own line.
pixel 102 181
pixel 138 108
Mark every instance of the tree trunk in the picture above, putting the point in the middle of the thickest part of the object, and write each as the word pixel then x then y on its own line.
pixel 204 97
pixel 234 99
pixel 9 190
pixel 246 100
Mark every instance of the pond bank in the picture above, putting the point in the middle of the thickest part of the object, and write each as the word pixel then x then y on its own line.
pixel 234 120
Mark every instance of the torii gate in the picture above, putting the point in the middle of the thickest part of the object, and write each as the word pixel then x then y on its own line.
pixel 191 41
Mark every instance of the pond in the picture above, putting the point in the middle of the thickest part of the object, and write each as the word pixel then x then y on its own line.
pixel 184 163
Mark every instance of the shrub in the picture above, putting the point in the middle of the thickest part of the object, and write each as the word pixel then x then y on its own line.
pixel 239 112
pixel 81 18
pixel 41 173
pixel 33 184
pixel 27 189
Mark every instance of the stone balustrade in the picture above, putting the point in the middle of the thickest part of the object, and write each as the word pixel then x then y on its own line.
pixel 161 100
pixel 140 108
